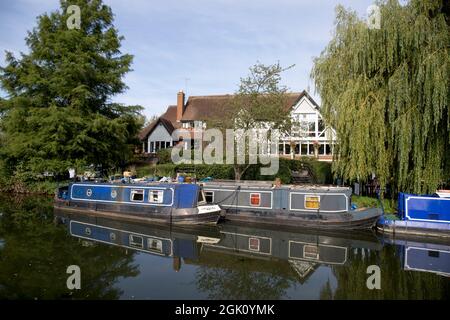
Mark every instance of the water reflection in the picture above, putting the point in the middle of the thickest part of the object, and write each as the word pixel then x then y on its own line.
pixel 35 254
pixel 121 259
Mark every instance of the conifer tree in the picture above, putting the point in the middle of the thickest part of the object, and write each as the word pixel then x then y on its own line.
pixel 58 111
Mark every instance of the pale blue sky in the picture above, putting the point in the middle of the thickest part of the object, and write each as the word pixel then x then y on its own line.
pixel 210 42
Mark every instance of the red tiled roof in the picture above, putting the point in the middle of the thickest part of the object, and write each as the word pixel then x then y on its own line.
pixel 209 107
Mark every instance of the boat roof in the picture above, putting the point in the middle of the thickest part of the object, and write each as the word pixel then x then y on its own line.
pixel 270 184
pixel 255 184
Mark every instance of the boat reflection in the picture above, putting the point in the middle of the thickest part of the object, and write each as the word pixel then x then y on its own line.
pixel 298 253
pixel 424 255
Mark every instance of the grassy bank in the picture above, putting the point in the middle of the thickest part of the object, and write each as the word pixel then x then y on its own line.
pixel 390 206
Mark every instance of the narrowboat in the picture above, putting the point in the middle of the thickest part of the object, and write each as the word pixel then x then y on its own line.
pixel 420 215
pixel 318 207
pixel 159 202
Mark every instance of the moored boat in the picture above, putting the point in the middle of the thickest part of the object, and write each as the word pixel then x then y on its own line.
pixel 420 215
pixel 318 207
pixel 157 203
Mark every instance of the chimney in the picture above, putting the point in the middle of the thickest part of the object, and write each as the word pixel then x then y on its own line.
pixel 180 105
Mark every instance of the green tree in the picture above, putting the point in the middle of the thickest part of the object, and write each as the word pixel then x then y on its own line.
pixel 58 112
pixel 259 102
pixel 386 91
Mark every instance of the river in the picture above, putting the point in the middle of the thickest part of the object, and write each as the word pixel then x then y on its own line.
pixel 124 260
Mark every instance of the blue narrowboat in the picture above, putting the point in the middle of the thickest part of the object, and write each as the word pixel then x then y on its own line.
pixel 307 206
pixel 158 203
pixel 422 215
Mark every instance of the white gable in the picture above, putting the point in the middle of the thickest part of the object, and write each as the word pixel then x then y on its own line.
pixel 304 106
pixel 160 133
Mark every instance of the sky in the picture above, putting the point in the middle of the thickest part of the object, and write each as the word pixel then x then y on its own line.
pixel 202 47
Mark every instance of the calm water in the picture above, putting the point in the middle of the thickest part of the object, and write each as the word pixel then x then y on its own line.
pixel 122 260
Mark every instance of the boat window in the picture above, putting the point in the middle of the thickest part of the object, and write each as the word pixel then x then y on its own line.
pixel 255 199
pixel 156 196
pixel 311 252
pixel 201 197
pixel 312 202
pixel 154 245
pixel 209 196
pixel 137 195
pixel 253 244
pixel 136 241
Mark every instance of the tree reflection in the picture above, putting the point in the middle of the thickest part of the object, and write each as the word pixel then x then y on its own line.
pixel 35 254
pixel 230 277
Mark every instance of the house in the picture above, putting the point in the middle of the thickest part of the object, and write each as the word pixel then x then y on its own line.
pixel 309 135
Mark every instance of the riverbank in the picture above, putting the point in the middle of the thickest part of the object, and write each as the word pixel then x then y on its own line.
pixel 43 187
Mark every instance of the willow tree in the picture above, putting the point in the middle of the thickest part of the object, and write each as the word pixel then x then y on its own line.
pixel 385 90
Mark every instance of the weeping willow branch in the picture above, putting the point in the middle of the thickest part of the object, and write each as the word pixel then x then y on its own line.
pixel 386 91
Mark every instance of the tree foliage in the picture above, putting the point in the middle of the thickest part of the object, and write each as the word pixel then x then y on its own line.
pixel 386 91
pixel 58 112
pixel 259 103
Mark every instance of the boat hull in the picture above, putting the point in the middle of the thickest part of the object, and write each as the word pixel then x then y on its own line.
pixel 362 219
pixel 177 216
pixel 414 228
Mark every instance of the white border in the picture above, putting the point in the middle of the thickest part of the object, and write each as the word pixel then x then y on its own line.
pixel 245 250
pixel 245 191
pixel 424 270
pixel 426 198
pixel 121 245
pixel 315 194
pixel 123 202
pixel 205 191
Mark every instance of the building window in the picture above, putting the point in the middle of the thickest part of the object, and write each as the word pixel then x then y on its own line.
pixel 310 149
pixel 253 244
pixel 304 149
pixel 209 196
pixel 288 148
pixel 137 195
pixel 156 196
pixel 312 202
pixel 321 125
pixel 136 241
pixel 297 148
pixel 328 149
pixel 311 129
pixel 322 149
pixel 155 245
pixel 255 199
